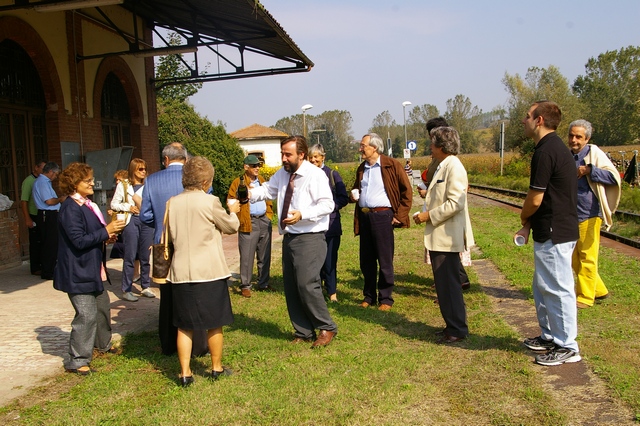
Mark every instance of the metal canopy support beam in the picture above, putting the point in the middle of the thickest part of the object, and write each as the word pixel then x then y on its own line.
pixel 235 31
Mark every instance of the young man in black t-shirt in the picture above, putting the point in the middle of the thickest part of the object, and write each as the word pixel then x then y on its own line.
pixel 550 211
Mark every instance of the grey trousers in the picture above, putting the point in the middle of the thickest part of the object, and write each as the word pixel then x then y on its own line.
pixel 255 244
pixel 91 327
pixel 302 258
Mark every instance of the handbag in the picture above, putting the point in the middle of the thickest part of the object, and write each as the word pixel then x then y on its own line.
pixel 162 254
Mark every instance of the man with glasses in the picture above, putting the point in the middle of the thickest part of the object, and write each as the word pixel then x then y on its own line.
pixel 48 204
pixel 254 235
pixel 384 200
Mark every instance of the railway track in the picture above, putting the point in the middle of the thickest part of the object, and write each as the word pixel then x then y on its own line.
pixel 487 191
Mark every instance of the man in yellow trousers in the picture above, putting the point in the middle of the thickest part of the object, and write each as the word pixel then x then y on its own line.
pixel 598 197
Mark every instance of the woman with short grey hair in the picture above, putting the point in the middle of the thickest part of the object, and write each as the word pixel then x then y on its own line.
pixel 448 231
pixel 199 271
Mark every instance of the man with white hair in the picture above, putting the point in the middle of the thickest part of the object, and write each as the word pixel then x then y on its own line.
pixel 384 200
pixel 598 198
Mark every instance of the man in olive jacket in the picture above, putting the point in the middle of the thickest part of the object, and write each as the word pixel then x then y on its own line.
pixel 254 235
pixel 384 200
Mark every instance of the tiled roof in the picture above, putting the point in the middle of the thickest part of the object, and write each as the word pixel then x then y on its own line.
pixel 257 131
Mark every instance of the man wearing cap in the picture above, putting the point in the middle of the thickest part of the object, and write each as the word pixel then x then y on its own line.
pixel 254 235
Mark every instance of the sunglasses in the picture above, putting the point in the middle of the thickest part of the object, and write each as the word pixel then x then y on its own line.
pixel 142 169
pixel 254 166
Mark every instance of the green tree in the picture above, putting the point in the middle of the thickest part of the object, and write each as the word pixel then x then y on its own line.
pixel 291 125
pixel 610 90
pixel 417 125
pixel 538 84
pixel 334 132
pixel 179 122
pixel 172 66
pixel 465 118
pixel 385 125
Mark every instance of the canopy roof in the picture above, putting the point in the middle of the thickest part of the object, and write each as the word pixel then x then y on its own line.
pixel 241 36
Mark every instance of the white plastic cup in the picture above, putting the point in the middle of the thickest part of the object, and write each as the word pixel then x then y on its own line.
pixel 120 216
pixel 231 201
pixel 355 193
pixel 416 214
pixel 519 240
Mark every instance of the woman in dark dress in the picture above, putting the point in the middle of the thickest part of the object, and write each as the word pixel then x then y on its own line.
pixel 81 267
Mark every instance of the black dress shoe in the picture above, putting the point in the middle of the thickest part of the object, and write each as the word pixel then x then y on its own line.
pixel 267 288
pixel 186 381
pixel 225 372
pixel 446 339
pixel 466 286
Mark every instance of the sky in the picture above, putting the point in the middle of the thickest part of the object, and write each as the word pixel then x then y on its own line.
pixel 372 55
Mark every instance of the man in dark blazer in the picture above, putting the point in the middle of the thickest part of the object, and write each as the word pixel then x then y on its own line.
pixel 158 188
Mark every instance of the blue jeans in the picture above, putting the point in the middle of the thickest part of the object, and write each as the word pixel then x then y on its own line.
pixel 554 293
pixel 137 237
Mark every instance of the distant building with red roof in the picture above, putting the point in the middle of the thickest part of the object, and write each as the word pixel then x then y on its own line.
pixel 261 141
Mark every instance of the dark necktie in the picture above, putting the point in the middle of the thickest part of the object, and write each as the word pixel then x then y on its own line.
pixel 287 201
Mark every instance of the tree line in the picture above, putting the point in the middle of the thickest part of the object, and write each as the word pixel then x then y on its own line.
pixel 608 95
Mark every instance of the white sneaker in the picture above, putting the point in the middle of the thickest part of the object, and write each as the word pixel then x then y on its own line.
pixel 147 292
pixel 129 297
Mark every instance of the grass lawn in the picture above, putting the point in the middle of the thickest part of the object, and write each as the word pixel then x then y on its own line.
pixel 382 368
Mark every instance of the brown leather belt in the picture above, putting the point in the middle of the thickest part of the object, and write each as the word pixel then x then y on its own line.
pixel 366 210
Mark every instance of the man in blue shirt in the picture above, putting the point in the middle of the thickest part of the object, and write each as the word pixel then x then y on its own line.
pixel 48 204
pixel 598 198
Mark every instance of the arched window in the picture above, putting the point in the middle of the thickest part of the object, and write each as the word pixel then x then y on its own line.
pixel 22 121
pixel 116 119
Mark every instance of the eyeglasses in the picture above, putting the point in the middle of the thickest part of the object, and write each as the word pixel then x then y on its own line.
pixel 89 181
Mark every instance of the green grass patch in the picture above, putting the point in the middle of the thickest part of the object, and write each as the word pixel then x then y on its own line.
pixel 382 368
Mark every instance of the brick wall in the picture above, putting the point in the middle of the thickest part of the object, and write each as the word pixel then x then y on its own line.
pixel 9 235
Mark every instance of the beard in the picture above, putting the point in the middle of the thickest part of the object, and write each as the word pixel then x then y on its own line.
pixel 290 166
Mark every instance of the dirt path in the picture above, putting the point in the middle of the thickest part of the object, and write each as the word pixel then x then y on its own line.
pixel 585 397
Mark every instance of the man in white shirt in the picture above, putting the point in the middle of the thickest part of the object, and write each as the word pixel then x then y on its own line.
pixel 305 202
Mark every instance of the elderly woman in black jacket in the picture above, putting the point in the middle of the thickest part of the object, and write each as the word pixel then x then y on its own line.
pixel 81 271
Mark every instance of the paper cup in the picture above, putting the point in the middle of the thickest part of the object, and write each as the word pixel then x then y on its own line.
pixel 519 240
pixel 355 193
pixel 120 216
pixel 231 201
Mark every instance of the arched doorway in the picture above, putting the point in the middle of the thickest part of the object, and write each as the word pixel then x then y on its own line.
pixel 22 118
pixel 115 114
pixel 22 124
